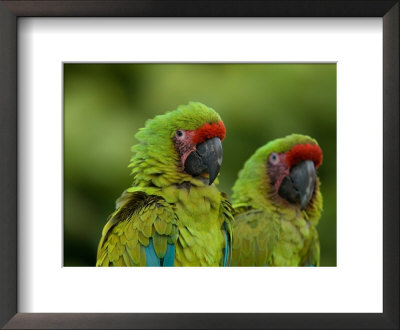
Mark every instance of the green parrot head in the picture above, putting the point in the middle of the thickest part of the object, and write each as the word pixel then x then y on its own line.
pixel 183 145
pixel 282 174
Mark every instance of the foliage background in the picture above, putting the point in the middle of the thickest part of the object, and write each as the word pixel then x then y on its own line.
pixel 105 105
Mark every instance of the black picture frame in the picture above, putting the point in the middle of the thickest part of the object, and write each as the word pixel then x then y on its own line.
pixel 9 13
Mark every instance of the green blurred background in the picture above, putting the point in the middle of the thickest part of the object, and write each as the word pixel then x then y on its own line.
pixel 105 105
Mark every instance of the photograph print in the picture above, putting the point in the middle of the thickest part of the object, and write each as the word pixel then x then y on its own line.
pixel 195 164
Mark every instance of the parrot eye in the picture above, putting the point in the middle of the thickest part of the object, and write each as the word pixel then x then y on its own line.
pixel 273 158
pixel 179 133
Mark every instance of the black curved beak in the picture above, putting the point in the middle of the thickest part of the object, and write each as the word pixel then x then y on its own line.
pixel 298 187
pixel 206 159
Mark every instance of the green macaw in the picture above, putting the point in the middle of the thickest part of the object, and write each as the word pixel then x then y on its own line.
pixel 173 215
pixel 278 204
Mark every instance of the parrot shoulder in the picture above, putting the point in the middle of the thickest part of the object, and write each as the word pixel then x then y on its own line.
pixel 141 232
pixel 256 233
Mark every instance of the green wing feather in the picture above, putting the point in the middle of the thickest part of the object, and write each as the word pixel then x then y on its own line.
pixel 255 235
pixel 227 214
pixel 138 218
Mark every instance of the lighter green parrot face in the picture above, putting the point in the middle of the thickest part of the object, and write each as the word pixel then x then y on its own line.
pixel 183 145
pixel 281 174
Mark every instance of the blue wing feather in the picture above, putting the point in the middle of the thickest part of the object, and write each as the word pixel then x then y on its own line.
pixel 226 249
pixel 151 258
pixel 169 257
pixel 153 261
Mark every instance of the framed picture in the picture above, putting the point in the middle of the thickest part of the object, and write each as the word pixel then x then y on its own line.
pixel 294 91
pixel 90 80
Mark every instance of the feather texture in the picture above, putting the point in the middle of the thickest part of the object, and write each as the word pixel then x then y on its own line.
pixel 131 241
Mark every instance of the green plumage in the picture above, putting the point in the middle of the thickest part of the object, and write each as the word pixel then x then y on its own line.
pixel 268 230
pixel 165 205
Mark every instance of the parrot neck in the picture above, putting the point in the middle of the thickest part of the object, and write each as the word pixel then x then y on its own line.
pixel 159 167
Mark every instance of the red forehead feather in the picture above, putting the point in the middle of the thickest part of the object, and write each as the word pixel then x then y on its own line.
pixel 302 152
pixel 208 131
